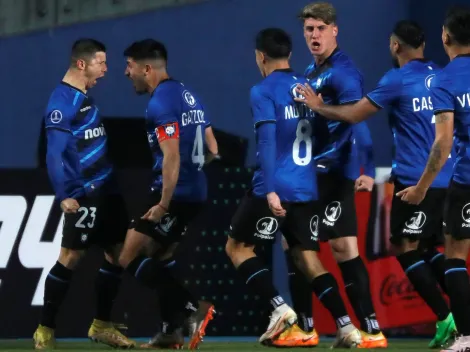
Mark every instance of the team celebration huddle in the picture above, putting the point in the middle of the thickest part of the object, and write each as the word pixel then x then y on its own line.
pixel 312 142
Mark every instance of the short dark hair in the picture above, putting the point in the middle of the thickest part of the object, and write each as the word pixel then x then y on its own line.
pixel 457 23
pixel 85 48
pixel 323 11
pixel 410 33
pixel 274 42
pixel 147 49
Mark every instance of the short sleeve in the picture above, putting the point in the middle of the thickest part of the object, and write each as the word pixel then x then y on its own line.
pixel 441 94
pixel 163 119
pixel 262 107
pixel 347 85
pixel 387 91
pixel 60 118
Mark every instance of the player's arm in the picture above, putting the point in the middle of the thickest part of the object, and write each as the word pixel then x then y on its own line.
pixel 168 140
pixel 212 146
pixel 366 148
pixel 58 135
pixel 443 102
pixel 350 90
pixel 264 115
pixel 440 149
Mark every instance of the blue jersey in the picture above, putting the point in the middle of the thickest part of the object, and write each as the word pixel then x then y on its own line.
pixel 407 91
pixel 450 91
pixel 272 103
pixel 339 82
pixel 76 150
pixel 174 112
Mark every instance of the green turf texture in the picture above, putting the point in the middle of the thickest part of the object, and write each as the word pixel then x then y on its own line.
pixel 25 345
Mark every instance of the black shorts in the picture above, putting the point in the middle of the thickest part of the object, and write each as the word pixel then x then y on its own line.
pixel 421 222
pixel 172 226
pixel 457 211
pixel 337 196
pixel 100 220
pixel 254 223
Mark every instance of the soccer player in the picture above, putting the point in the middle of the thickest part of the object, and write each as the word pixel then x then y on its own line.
pixel 450 92
pixel 82 177
pixel 176 126
pixel 284 193
pixel 334 75
pixel 416 230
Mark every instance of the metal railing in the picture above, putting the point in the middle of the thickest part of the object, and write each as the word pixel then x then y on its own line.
pixel 21 16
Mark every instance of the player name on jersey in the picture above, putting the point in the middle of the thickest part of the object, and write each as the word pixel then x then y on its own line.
pixel 423 103
pixel 296 111
pixel 192 117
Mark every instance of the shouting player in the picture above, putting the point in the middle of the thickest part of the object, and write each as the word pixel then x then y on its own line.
pixel 83 181
pixel 416 229
pixel 334 75
pixel 450 92
pixel 176 126
pixel 284 193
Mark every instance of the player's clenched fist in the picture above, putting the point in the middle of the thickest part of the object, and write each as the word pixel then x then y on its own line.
pixel 69 205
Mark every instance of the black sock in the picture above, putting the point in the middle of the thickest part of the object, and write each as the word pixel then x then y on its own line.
pixel 458 286
pixel 301 294
pixel 327 291
pixel 356 282
pixel 55 290
pixel 152 273
pixel 107 287
pixel 176 302
pixel 437 261
pixel 258 278
pixel 420 275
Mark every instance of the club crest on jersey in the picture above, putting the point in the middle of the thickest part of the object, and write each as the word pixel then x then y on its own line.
pixel 189 99
pixel 414 225
pixel 294 93
pixel 56 116
pixel 466 215
pixel 428 80
pixel 266 228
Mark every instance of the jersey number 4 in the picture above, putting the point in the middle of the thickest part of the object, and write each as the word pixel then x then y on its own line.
pixel 303 135
pixel 197 155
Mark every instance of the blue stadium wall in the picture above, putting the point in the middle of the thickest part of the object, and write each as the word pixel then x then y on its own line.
pixel 211 50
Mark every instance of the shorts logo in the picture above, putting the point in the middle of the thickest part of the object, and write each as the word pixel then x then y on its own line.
pixel 266 227
pixel 415 223
pixel 332 213
pixel 314 227
pixel 84 237
pixel 189 99
pixel 466 215
pixel 56 116
pixel 167 222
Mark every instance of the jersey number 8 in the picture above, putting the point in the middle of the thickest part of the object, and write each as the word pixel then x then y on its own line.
pixel 303 134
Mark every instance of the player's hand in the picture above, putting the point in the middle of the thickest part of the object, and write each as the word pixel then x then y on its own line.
pixel 275 204
pixel 69 205
pixel 309 97
pixel 412 195
pixel 364 183
pixel 155 213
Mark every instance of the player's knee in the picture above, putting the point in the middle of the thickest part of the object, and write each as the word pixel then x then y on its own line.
pixel 344 248
pixel 70 257
pixel 308 263
pixel 125 258
pixel 456 248
pixel 405 245
pixel 234 249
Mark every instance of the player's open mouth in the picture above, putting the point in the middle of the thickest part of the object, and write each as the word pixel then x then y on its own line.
pixel 315 45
